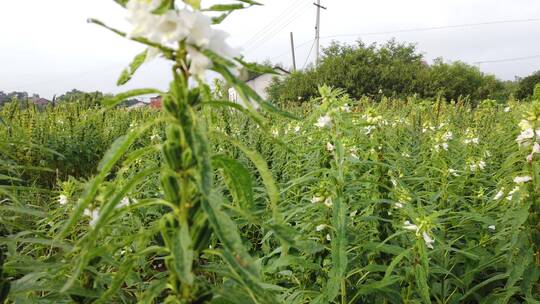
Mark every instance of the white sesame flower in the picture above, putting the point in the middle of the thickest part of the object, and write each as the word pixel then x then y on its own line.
pixel 522 179
pixel 330 147
pixel 62 200
pixel 491 227
pixel 507 109
pixel 511 193
pixel 353 214
pixel 448 136
pixel 317 199
pixel 499 195
pixel 409 226
pixel 526 135
pixel 275 132
pixel 324 121
pixel 94 216
pixel 328 202
pixel 328 237
pixel 346 108
pixel 536 148
pixel 199 63
pixel 453 172
pixel 428 240
pixel 320 227
pixel 123 203
pixel 369 129
pixel 398 205
pixel 296 129
pixel 471 141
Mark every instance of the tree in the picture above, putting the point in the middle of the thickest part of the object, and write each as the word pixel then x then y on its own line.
pixel 392 69
pixel 526 85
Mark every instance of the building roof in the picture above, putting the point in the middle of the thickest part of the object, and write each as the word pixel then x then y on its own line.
pixel 276 68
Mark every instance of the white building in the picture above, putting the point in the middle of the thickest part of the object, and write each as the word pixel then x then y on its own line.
pixel 260 83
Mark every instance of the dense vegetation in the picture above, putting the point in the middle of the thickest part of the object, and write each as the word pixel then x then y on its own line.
pixel 402 201
pixel 395 69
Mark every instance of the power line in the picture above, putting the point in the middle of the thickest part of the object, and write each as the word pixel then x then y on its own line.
pixel 270 26
pixel 508 59
pixel 309 54
pixel 433 28
pixel 262 41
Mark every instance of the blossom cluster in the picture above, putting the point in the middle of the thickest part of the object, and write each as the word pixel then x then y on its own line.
pixel 179 25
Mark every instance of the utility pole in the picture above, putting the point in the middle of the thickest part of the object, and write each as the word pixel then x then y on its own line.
pixel 293 56
pixel 318 28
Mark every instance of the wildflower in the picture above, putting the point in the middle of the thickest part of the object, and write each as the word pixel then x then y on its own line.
pixel 369 129
pixel 330 147
pixel 398 205
pixel 409 226
pixel 324 121
pixel 275 132
pixel 525 136
pixel 328 237
pixel 499 195
pixel 405 154
pixel 123 203
pixel 62 200
pixel 507 109
pixel 480 165
pixel 491 227
pixel 346 108
pixel 471 141
pixel 535 150
pixel 317 199
pixel 173 26
pixel 297 129
pixel 522 179
pixel 448 136
pixel 453 172
pixel 511 193
pixel 320 227
pixel 94 216
pixel 428 240
pixel 328 202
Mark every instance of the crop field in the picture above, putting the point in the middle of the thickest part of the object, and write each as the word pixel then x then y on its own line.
pixel 345 201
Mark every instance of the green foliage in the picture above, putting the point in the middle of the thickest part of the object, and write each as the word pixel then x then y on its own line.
pixel 383 154
pixel 536 95
pixel 527 85
pixel 392 69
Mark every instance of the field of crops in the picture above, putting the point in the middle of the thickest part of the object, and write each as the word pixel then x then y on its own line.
pixel 400 201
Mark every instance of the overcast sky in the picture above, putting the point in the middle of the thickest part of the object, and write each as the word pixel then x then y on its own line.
pixel 46 47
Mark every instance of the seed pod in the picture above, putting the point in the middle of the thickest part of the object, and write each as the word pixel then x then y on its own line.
pixel 171 187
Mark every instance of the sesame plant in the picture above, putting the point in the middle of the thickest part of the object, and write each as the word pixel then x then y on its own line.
pixel 212 201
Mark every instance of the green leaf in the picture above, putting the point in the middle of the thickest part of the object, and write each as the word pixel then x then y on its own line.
pixel 224 7
pixel 237 178
pixel 128 72
pixel 154 291
pixel 182 254
pixel 196 4
pixel 339 250
pixel 266 175
pixel 235 253
pixel 164 7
